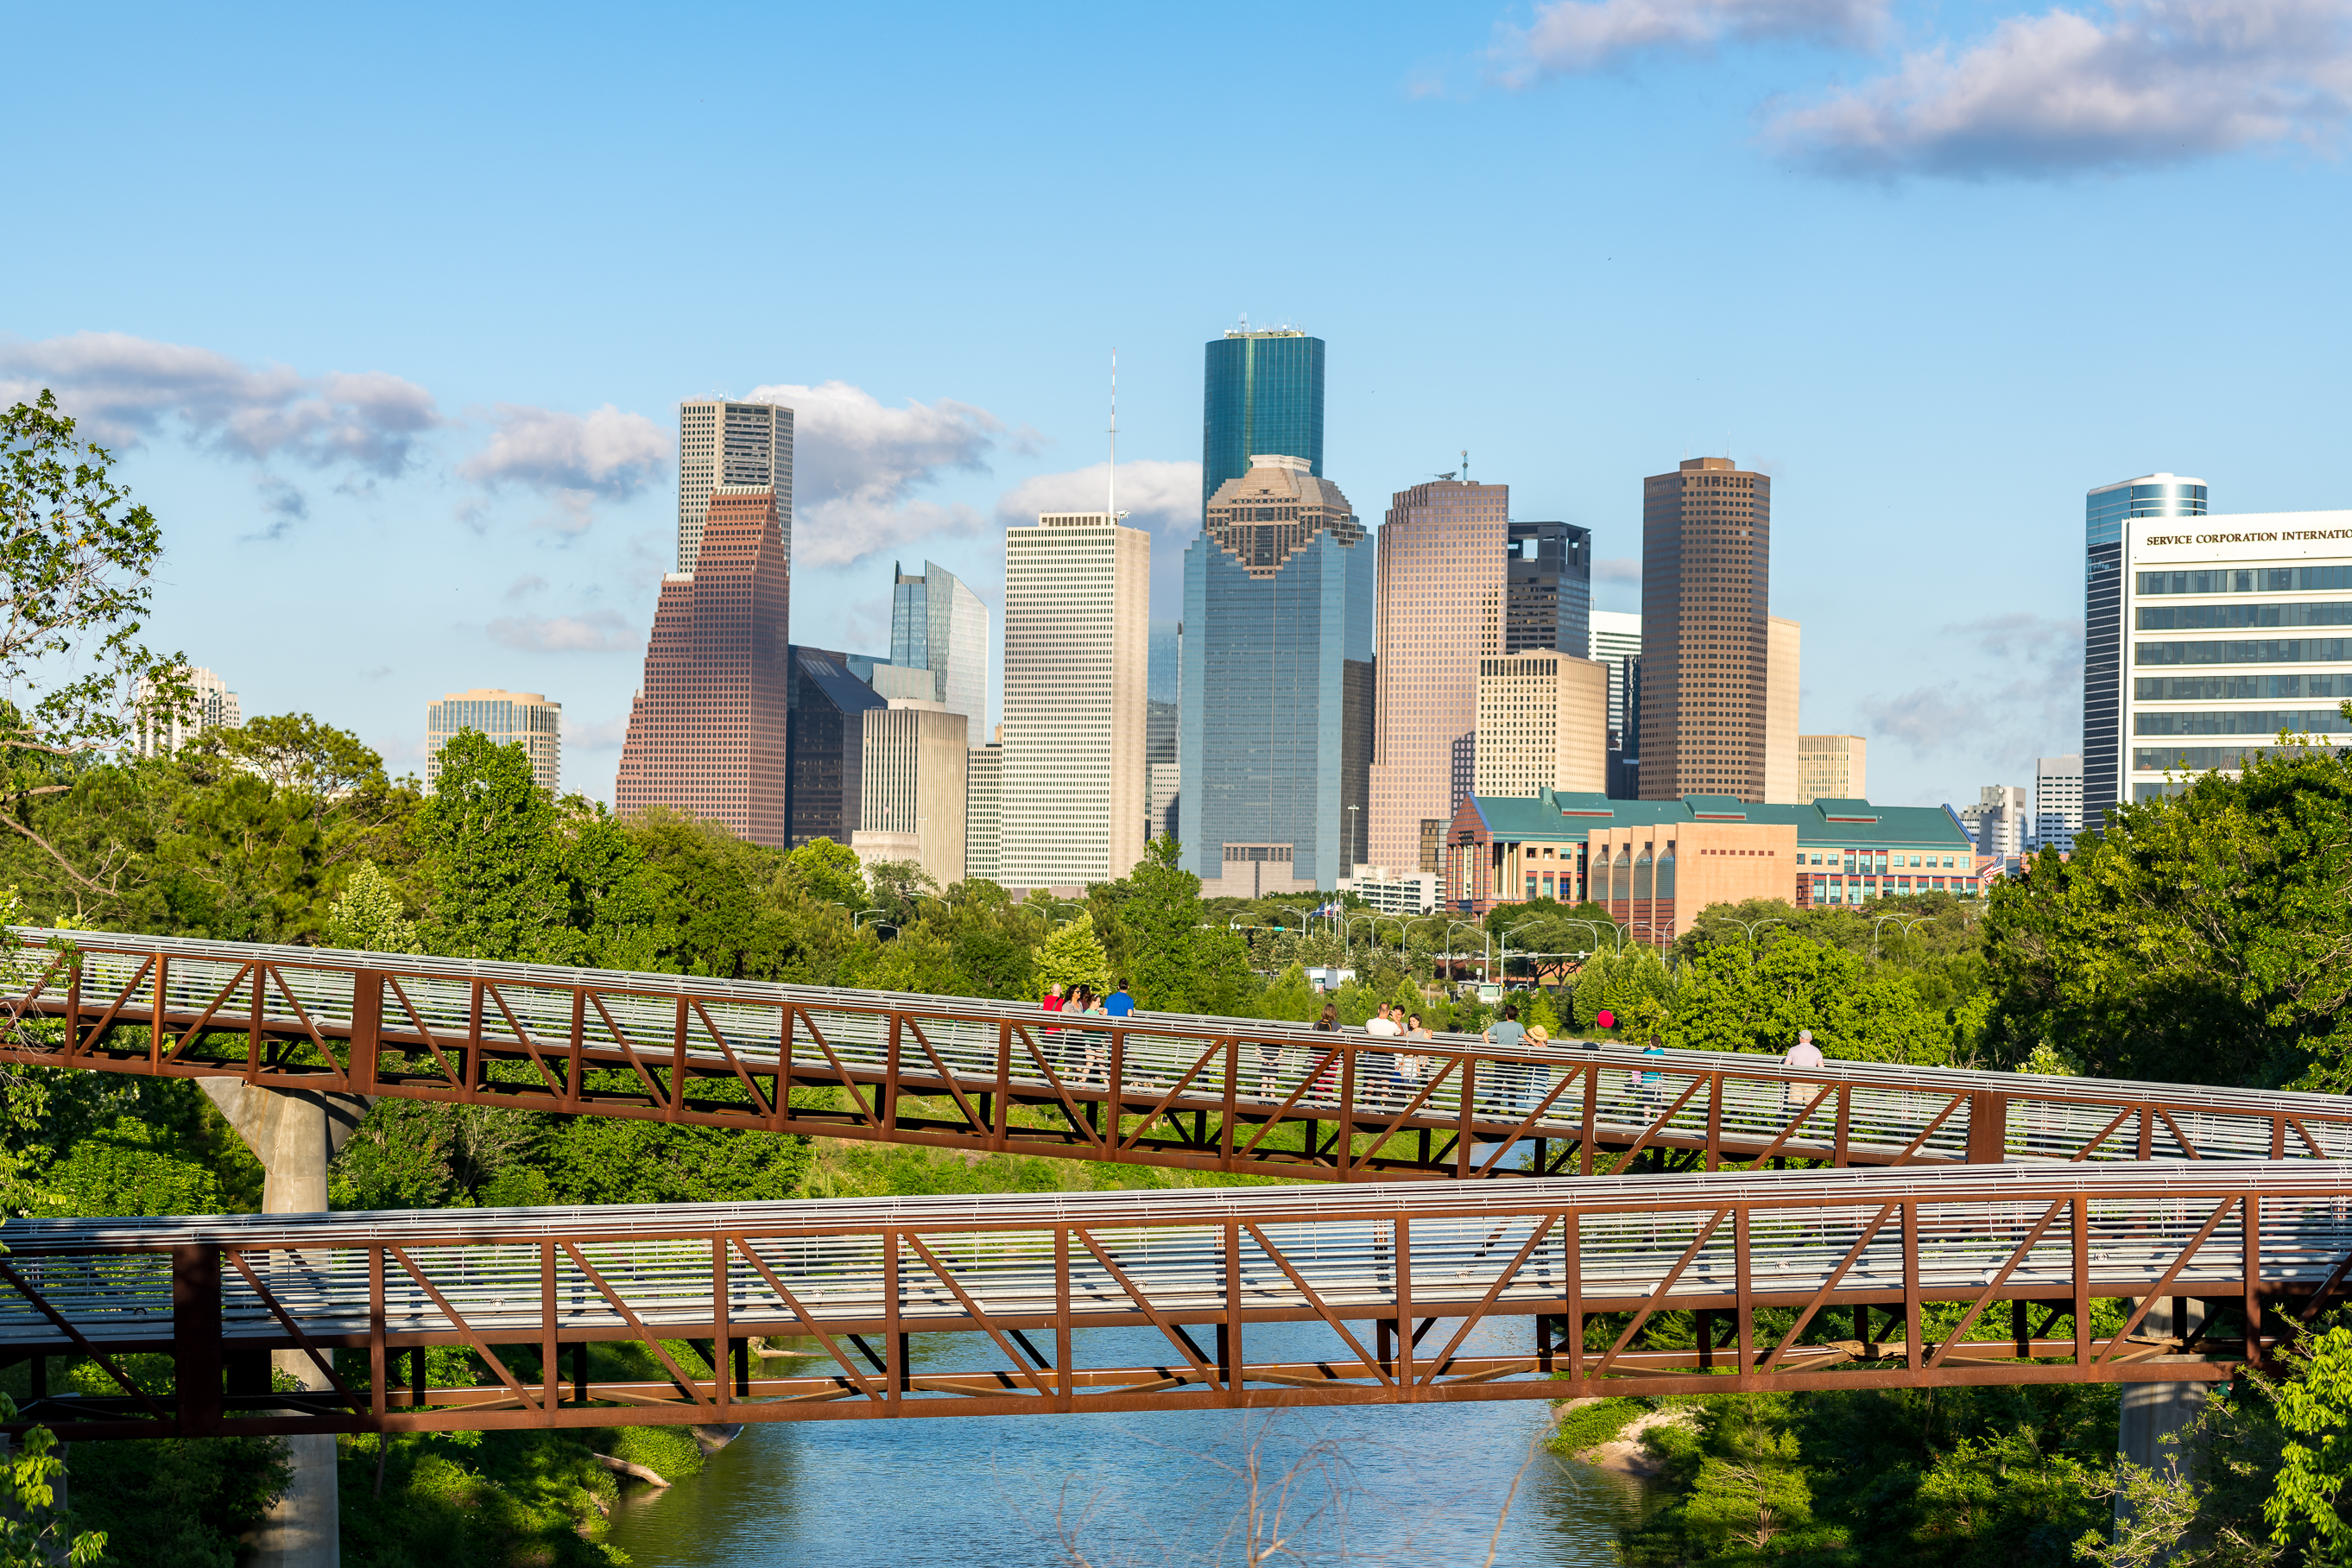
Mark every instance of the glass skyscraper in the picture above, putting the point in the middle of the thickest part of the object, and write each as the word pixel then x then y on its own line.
pixel 1263 395
pixel 938 623
pixel 2105 511
pixel 1275 732
pixel 1550 599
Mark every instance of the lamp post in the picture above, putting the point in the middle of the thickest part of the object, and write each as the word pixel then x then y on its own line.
pixel 1752 927
pixel 858 921
pixel 1905 921
pixel 1488 973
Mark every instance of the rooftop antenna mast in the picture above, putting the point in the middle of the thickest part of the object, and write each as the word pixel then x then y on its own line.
pixel 1114 436
pixel 1466 465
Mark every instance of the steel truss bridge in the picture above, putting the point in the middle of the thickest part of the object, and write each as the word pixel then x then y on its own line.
pixel 1960 1226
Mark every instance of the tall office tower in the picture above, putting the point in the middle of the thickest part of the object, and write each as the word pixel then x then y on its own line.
pixel 825 730
pixel 1543 724
pixel 1442 589
pixel 2235 627
pixel 214 707
pixel 983 812
pixel 1625 760
pixel 1549 602
pixel 2106 556
pixel 1263 392
pixel 1616 637
pixel 706 731
pixel 1782 639
pixel 1164 693
pixel 522 719
pixel 2057 804
pixel 747 445
pixel 1279 620
pixel 1707 556
pixel 1076 617
pixel 938 623
pixel 911 801
pixel 1996 821
pixel 1832 767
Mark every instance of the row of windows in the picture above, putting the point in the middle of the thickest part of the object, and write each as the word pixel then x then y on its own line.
pixel 2198 758
pixel 2253 722
pixel 2222 618
pixel 2280 650
pixel 2237 687
pixel 2247 580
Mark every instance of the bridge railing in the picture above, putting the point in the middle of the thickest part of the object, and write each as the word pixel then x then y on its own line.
pixel 1113 1300
pixel 1197 1092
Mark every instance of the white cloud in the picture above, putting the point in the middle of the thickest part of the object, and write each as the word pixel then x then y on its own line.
pixel 1618 569
pixel 125 389
pixel 1571 37
pixel 1160 496
pixel 595 734
pixel 593 631
pixel 855 464
pixel 574 460
pixel 2146 83
pixel 2023 699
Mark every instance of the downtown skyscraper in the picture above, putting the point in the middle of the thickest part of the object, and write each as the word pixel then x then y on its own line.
pixel 1076 617
pixel 938 623
pixel 1706 641
pixel 1263 395
pixel 2107 511
pixel 1441 595
pixel 1274 737
pixel 745 445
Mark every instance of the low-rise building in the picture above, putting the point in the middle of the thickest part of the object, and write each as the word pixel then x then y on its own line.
pixel 1385 892
pixel 1655 864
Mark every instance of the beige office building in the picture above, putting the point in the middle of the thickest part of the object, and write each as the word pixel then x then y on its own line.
pixel 1832 767
pixel 1706 563
pixel 1441 587
pixel 722 443
pixel 983 812
pixel 214 707
pixel 507 718
pixel 911 799
pixel 1781 639
pixel 1543 723
pixel 1076 639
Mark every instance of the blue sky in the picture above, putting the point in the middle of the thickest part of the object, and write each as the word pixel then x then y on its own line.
pixel 390 313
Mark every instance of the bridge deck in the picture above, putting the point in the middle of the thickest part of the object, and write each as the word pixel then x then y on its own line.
pixel 1039 1300
pixel 1203 1093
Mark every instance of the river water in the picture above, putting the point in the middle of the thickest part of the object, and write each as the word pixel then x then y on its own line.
pixel 1422 1484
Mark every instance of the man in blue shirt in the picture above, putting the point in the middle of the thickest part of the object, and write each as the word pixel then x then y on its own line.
pixel 1119 1004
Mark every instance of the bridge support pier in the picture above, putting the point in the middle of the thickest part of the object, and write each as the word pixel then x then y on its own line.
pixel 2154 1410
pixel 294 1134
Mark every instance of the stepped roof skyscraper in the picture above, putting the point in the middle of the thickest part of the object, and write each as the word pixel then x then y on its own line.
pixel 745 445
pixel 1276 735
pixel 1264 394
pixel 707 731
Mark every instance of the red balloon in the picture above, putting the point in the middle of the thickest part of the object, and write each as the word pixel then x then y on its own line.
pixel 1605 1018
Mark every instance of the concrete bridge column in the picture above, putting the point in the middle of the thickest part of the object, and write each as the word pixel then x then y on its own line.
pixel 294 1134
pixel 2154 1410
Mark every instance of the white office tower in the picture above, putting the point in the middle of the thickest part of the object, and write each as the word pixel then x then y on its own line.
pixel 721 443
pixel 1542 725
pixel 1616 637
pixel 1783 642
pixel 1996 821
pixel 1076 622
pixel 2057 803
pixel 911 799
pixel 2233 629
pixel 983 812
pixel 215 708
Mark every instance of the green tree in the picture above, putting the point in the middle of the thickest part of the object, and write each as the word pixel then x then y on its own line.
pixel 33 1532
pixel 1751 1490
pixel 491 859
pixel 2316 1470
pixel 2200 937
pixel 829 872
pixel 1736 997
pixel 369 916
pixel 130 1168
pixel 1163 917
pixel 1290 997
pixel 1072 957
pixel 76 557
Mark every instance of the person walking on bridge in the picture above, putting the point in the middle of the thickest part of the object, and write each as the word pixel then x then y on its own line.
pixel 1795 1092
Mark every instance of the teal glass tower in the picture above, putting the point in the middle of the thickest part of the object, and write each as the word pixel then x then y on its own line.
pixel 1264 394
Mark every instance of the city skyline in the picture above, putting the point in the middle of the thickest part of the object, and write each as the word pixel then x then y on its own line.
pixel 479 466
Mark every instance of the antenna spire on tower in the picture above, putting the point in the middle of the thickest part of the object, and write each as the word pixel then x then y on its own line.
pixel 1114 435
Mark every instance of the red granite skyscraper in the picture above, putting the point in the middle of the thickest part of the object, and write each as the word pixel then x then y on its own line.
pixel 707 731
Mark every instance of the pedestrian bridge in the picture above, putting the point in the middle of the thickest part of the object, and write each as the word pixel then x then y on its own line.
pixel 1120 1301
pixel 1242 1096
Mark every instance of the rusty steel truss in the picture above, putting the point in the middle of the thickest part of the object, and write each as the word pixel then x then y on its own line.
pixel 1197 1093
pixel 1115 1301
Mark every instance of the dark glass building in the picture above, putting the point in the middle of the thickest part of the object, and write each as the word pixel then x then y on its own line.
pixel 1548 600
pixel 825 722
pixel 2105 511
pixel 1263 395
pixel 1276 729
pixel 1706 579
